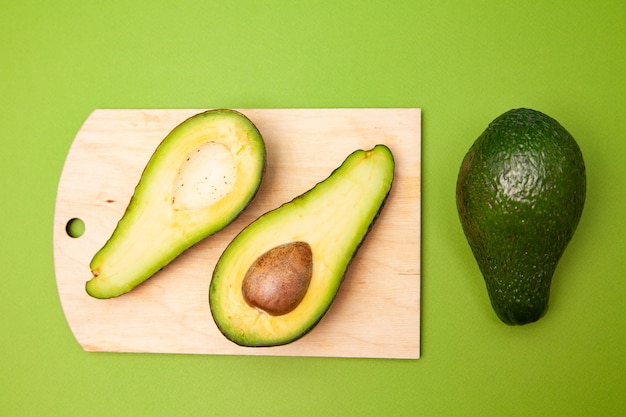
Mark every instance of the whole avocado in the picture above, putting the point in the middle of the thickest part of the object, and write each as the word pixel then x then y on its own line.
pixel 520 194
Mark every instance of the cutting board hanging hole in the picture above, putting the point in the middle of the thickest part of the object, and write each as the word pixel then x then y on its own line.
pixel 75 227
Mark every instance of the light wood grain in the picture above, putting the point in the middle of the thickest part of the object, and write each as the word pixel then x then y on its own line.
pixel 377 311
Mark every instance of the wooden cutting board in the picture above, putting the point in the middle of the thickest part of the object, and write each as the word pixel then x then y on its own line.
pixel 377 311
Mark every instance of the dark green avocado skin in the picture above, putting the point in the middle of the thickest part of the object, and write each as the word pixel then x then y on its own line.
pixel 520 194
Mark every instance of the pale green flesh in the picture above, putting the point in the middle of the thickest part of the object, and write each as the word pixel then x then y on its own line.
pixel 155 228
pixel 333 218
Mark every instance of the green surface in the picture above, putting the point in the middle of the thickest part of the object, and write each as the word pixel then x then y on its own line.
pixel 462 62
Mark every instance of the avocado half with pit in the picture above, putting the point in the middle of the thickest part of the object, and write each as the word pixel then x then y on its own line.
pixel 279 276
pixel 199 179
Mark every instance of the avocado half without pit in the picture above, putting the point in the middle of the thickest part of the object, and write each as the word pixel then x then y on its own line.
pixel 199 179
pixel 279 276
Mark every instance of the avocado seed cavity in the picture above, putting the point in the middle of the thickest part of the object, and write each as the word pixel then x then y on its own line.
pixel 206 176
pixel 278 280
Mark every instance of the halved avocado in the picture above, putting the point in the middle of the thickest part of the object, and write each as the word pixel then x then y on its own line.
pixel 199 179
pixel 332 219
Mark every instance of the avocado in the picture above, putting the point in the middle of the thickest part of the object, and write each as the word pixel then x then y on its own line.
pixel 520 194
pixel 275 281
pixel 199 179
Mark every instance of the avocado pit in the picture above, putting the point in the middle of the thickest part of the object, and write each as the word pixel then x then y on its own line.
pixel 278 280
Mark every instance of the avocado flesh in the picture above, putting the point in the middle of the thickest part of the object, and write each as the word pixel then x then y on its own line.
pixel 334 218
pixel 520 195
pixel 199 179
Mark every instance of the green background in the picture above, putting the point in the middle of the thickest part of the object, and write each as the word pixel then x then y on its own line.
pixel 462 62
